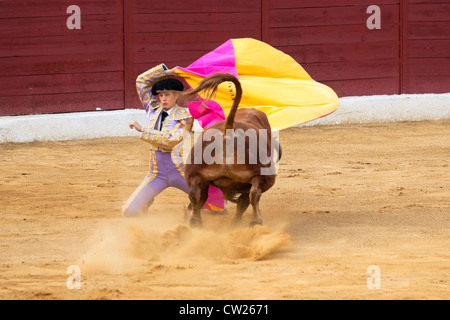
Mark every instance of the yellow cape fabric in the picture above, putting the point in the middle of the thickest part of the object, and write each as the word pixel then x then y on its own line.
pixel 274 83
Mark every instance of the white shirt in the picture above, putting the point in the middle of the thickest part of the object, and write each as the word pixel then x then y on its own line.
pixel 168 114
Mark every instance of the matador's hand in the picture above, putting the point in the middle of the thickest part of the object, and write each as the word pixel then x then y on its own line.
pixel 135 125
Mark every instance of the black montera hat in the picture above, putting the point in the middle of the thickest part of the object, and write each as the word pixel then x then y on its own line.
pixel 167 84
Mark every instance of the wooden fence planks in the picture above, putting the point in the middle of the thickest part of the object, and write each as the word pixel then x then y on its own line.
pixel 179 34
pixel 46 67
pixel 333 43
pixel 426 56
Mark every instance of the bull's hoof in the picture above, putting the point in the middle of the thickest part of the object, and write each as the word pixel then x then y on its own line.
pixel 255 222
pixel 195 222
pixel 236 221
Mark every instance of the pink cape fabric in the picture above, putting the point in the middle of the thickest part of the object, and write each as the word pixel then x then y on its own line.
pixel 223 60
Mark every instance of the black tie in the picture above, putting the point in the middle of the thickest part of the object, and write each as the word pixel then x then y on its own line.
pixel 163 117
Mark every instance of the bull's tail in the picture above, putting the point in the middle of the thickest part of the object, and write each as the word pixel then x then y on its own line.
pixel 210 84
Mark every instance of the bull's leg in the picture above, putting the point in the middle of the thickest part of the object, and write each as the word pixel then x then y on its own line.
pixel 242 205
pixel 260 184
pixel 255 196
pixel 198 194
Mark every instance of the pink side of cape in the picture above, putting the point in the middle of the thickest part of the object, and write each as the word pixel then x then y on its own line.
pixel 222 60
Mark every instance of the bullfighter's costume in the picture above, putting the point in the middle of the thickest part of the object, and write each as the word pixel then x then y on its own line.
pixel 164 171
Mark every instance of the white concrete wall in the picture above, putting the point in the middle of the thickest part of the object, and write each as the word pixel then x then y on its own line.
pixel 389 108
pixel 98 124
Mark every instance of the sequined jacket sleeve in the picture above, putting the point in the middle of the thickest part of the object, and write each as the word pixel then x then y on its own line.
pixel 144 83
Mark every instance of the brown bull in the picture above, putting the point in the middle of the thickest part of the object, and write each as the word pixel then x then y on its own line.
pixel 239 149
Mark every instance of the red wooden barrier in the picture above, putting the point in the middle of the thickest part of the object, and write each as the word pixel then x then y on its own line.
pixel 46 67
pixel 180 33
pixel 426 57
pixel 331 41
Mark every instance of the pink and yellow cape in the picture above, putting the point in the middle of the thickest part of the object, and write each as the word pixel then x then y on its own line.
pixel 272 82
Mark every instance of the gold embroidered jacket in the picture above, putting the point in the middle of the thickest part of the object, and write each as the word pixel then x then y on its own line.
pixel 175 127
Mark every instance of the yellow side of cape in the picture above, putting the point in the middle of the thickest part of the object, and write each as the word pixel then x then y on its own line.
pixel 274 83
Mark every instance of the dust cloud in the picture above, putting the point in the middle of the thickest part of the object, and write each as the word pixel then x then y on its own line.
pixel 132 243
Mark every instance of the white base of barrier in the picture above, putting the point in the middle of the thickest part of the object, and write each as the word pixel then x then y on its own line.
pixel 98 124
pixel 389 108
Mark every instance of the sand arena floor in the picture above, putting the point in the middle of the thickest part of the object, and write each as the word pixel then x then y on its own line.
pixel 347 197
